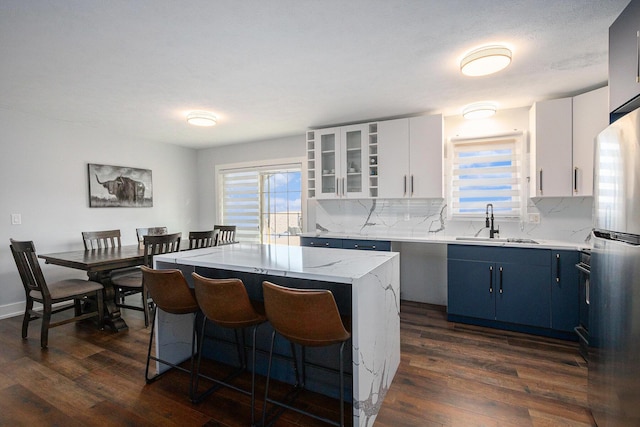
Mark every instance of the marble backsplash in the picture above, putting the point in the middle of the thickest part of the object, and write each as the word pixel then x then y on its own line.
pixel 566 219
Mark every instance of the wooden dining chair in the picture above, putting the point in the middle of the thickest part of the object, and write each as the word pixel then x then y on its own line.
pixel 38 290
pixel 200 239
pixel 150 231
pixel 153 245
pixel 224 234
pixel 101 239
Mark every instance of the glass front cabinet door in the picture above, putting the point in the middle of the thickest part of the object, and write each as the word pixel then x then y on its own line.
pixel 341 154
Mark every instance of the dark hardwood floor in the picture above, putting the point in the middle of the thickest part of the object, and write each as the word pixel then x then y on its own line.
pixel 450 375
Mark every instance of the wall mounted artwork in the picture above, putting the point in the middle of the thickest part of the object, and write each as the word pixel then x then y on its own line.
pixel 119 186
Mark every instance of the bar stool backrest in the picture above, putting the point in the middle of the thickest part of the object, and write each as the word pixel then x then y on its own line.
pixel 169 290
pixel 304 316
pixel 225 302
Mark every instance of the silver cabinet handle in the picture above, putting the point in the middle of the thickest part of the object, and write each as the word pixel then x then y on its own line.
pixel 541 181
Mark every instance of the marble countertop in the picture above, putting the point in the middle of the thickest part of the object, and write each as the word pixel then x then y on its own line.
pixel 333 265
pixel 457 240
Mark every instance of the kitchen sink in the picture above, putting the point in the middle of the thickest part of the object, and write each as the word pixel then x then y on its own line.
pixel 482 239
pixel 498 240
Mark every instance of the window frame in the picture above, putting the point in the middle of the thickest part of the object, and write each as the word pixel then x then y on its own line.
pixel 260 165
pixel 519 141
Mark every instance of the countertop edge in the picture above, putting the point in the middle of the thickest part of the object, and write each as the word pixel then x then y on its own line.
pixel 451 240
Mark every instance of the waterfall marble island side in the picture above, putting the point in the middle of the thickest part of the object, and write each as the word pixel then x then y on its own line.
pixel 366 285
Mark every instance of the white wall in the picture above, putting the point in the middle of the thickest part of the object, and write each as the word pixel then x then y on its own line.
pixel 281 148
pixel 43 170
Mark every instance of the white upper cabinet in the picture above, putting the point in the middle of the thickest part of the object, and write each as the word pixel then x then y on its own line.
pixel 426 156
pixel 561 147
pixel 410 153
pixel 624 60
pixel 550 150
pixel 340 161
pixel 590 117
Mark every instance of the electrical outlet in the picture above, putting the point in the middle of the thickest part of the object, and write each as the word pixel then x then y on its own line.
pixel 534 218
pixel 16 219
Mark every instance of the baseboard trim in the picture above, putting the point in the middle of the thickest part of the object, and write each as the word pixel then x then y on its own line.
pixel 12 310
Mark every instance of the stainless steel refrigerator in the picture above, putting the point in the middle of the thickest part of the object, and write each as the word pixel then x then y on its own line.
pixel 614 312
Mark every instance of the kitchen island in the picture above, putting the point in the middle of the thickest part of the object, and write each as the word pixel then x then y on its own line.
pixel 366 287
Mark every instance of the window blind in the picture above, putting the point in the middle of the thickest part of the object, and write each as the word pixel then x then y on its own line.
pixel 483 171
pixel 241 203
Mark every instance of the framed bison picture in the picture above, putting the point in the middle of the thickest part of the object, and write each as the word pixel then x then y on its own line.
pixel 119 186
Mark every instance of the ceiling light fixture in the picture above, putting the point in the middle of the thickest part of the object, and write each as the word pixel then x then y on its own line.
pixel 201 118
pixel 480 110
pixel 485 60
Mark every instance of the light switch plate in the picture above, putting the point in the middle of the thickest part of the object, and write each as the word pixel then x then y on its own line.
pixel 16 219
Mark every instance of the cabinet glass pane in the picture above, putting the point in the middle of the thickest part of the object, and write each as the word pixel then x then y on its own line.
pixel 328 153
pixel 354 161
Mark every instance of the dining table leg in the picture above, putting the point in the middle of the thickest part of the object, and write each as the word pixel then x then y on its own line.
pixel 112 315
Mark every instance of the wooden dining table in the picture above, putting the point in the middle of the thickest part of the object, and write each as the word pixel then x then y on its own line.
pixel 99 264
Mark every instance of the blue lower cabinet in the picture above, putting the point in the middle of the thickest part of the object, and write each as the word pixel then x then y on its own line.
pixel 565 290
pixel 366 245
pixel 320 242
pixel 507 286
pixel 324 242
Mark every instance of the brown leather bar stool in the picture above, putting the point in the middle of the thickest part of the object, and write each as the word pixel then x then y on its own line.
pixel 226 303
pixel 309 318
pixel 170 293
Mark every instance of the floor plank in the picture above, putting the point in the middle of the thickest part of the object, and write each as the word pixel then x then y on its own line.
pixel 450 375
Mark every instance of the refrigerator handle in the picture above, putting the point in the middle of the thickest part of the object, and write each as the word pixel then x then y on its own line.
pixel 637 56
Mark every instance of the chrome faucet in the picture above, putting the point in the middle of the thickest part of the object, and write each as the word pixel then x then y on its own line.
pixel 493 232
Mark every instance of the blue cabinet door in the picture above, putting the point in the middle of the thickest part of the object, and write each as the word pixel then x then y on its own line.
pixel 320 242
pixel 471 289
pixel 523 295
pixel 565 290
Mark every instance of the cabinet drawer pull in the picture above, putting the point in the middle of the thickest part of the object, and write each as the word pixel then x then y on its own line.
pixel 490 279
pixel 365 247
pixel 557 268
pixel 500 279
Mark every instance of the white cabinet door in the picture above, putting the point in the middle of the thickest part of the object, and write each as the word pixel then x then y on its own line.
pixel 328 160
pixel 353 180
pixel 393 158
pixel 551 166
pixel 426 151
pixel 590 117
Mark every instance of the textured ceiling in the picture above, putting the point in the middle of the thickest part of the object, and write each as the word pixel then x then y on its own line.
pixel 275 68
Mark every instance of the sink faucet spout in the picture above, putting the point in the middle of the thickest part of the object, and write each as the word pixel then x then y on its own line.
pixel 489 222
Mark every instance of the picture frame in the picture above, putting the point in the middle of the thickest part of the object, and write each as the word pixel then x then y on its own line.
pixel 119 186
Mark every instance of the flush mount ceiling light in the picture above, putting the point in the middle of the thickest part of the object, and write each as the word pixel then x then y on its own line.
pixel 201 118
pixel 480 110
pixel 485 60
